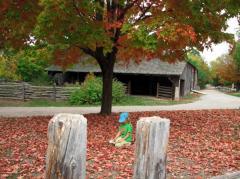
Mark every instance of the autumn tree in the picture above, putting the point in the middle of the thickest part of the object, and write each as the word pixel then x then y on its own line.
pixel 215 78
pixel 236 61
pixel 225 69
pixel 8 68
pixel 32 63
pixel 196 60
pixel 111 30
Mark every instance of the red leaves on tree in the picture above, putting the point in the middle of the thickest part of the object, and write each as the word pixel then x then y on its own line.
pixel 117 24
pixel 201 144
pixel 17 20
pixel 67 57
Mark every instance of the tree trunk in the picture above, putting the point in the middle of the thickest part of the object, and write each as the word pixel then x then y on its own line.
pixel 107 75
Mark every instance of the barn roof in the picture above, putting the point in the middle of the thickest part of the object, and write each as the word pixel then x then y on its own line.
pixel 154 67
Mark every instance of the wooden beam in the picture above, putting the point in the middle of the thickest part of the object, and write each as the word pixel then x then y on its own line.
pixel 129 87
pixel 177 91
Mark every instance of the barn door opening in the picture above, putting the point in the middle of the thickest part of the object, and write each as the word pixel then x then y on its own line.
pixel 143 85
pixel 182 84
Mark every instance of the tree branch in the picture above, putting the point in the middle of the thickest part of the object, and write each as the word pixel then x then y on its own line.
pixel 87 51
pixel 128 6
pixel 79 13
pixel 99 15
pixel 143 14
pixel 76 8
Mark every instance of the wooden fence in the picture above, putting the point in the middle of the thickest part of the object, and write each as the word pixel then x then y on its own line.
pixel 165 92
pixel 226 89
pixel 25 91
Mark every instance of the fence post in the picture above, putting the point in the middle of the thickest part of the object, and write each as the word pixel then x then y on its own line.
pixel 151 148
pixel 23 91
pixel 54 92
pixel 66 153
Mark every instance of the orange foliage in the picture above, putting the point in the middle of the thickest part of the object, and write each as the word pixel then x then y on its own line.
pixel 226 69
pixel 66 57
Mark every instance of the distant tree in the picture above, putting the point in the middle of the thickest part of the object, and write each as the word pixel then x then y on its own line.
pixel 225 69
pixel 215 79
pixel 110 30
pixel 32 63
pixel 236 59
pixel 196 60
pixel 8 68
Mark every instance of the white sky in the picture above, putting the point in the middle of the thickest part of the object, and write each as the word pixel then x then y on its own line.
pixel 222 48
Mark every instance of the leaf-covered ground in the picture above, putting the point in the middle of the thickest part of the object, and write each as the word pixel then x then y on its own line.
pixel 202 144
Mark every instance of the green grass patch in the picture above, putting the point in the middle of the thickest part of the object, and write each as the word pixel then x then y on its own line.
pixel 152 101
pixel 235 94
pixel 126 101
pixel 33 103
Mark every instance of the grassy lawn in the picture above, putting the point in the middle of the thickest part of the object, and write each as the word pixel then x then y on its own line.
pixel 128 100
pixel 152 101
pixel 235 94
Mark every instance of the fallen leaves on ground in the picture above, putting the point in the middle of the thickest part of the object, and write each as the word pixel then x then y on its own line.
pixel 202 144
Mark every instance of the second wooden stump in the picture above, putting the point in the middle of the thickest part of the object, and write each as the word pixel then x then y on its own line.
pixel 151 148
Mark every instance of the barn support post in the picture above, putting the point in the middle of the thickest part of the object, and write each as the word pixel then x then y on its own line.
pixel 78 78
pixel 129 87
pixel 177 90
pixel 151 148
pixel 176 87
pixel 66 153
pixel 157 89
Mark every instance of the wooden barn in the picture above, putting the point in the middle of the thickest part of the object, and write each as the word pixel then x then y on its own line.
pixel 151 78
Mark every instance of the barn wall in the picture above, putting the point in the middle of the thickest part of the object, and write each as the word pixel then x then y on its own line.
pixel 189 76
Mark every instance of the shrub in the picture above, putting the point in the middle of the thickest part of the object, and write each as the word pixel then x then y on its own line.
pixel 118 91
pixel 90 91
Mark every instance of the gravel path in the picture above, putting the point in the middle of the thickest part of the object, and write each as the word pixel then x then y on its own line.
pixel 211 100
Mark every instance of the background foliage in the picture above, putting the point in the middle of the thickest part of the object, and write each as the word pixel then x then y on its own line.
pixel 28 64
pixel 225 70
pixel 8 68
pixel 196 60
pixel 32 63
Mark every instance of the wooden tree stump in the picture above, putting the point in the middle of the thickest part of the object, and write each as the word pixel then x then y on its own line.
pixel 151 148
pixel 66 153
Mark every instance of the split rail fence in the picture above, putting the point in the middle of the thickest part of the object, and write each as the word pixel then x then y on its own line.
pixel 25 91
pixel 165 92
pixel 226 89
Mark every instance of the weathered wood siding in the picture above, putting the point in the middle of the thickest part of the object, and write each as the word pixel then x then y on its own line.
pixel 165 92
pixel 189 76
